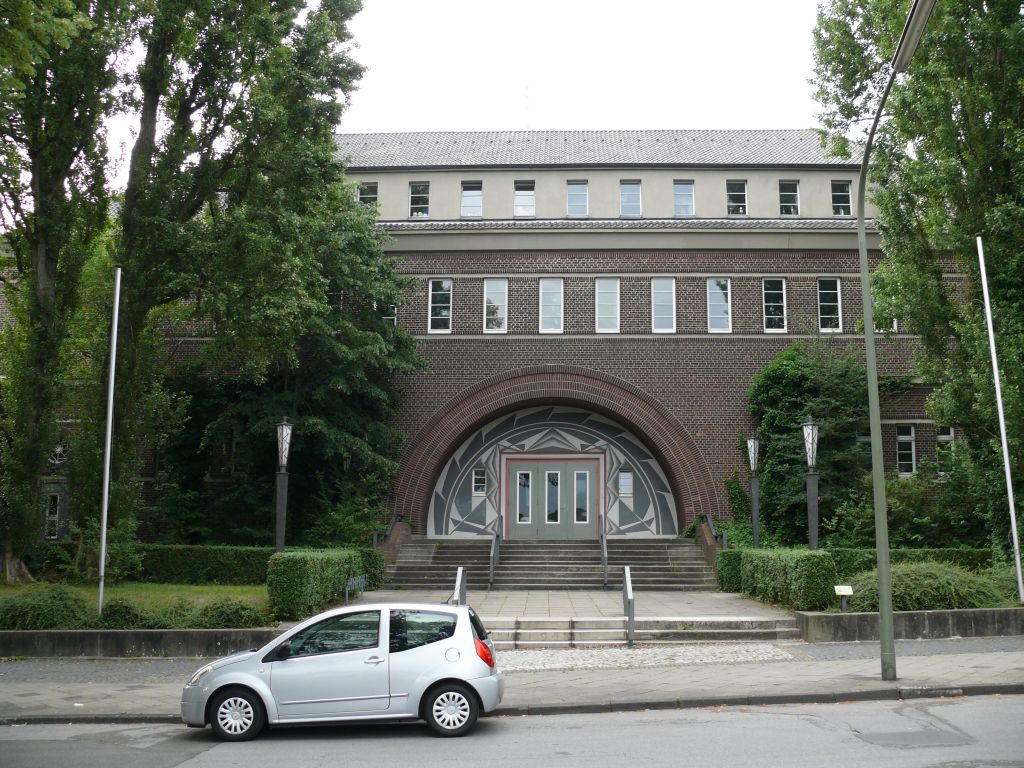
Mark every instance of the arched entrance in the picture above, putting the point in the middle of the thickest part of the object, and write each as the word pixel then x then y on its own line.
pixel 647 422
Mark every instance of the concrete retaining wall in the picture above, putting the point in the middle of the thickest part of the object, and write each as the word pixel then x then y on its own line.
pixel 911 625
pixel 133 642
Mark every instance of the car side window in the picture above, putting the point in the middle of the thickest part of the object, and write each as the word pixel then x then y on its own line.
pixel 349 632
pixel 411 629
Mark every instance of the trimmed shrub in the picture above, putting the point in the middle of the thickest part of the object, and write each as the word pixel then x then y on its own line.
pixel 122 614
pixel 927 586
pixel 850 562
pixel 54 607
pixel 373 567
pixel 1004 579
pixel 727 567
pixel 204 564
pixel 796 578
pixel 181 614
pixel 229 614
pixel 302 582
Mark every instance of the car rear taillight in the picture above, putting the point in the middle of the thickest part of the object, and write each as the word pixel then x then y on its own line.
pixel 484 652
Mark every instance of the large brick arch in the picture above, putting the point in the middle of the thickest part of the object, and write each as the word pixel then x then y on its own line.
pixel 429 450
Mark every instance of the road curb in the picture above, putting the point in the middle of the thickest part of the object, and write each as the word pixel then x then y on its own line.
pixel 625 705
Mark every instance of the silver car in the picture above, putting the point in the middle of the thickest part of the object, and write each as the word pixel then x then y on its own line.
pixel 362 662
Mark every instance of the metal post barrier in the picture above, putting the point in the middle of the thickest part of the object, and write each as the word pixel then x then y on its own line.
pixel 604 557
pixel 628 606
pixel 459 595
pixel 495 550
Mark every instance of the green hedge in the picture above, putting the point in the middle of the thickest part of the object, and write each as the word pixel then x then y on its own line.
pixel 302 582
pixel 57 607
pixel 727 564
pixel 799 579
pixel 204 564
pixel 373 567
pixel 927 586
pixel 850 562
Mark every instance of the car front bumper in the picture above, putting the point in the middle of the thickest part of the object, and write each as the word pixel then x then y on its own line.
pixel 193 705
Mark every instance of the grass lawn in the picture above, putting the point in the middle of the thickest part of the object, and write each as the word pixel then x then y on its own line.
pixel 155 595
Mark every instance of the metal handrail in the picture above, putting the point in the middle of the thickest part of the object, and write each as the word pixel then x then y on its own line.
pixel 459 595
pixel 495 550
pixel 604 556
pixel 722 537
pixel 629 606
pixel 380 537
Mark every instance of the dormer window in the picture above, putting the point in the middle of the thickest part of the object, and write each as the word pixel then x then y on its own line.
pixel 525 202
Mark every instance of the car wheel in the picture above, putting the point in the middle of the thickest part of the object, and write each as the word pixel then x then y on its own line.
pixel 237 715
pixel 451 710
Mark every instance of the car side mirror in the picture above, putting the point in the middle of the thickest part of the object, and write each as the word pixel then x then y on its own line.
pixel 283 652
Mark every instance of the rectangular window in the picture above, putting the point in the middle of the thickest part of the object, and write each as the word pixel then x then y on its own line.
pixel 719 305
pixel 629 198
pixel 472 199
pixel 736 198
pixel 625 483
pixel 52 516
pixel 606 304
pixel 682 194
pixel 524 202
pixel 789 198
pixel 582 493
pixel 944 438
pixel 773 292
pixel 841 205
pixel 368 192
pixel 906 455
pixel 495 305
pixel 577 202
pixel 419 199
pixel 830 305
pixel 440 306
pixel 391 316
pixel 551 305
pixel 553 496
pixel 523 497
pixel 663 305
pixel 479 481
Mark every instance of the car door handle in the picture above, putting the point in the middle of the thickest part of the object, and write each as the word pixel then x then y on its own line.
pixel 374 660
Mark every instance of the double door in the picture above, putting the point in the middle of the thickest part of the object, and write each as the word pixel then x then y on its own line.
pixel 552 498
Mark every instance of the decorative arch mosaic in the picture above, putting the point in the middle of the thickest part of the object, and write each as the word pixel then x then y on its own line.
pixel 455 511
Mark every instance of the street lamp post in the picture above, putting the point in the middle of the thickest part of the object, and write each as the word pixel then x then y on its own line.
pixel 811 449
pixel 912 31
pixel 755 491
pixel 284 440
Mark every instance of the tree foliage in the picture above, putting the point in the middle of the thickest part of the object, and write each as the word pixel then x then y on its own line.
pixel 949 165
pixel 808 379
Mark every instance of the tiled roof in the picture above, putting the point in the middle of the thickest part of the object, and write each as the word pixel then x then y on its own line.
pixel 627 224
pixel 502 149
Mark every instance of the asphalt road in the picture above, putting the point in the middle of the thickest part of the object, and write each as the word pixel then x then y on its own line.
pixel 979 732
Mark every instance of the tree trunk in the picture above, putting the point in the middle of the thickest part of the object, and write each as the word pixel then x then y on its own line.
pixel 15 570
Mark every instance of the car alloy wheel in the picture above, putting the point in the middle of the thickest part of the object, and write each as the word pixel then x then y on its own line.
pixel 452 710
pixel 237 715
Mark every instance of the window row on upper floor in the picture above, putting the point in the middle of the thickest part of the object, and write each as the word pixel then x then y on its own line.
pixel 607 298
pixel 577 198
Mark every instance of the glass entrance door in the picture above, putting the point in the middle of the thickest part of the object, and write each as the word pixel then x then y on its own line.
pixel 552 499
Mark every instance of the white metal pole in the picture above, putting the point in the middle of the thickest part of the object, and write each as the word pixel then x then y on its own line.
pixel 1002 418
pixel 106 442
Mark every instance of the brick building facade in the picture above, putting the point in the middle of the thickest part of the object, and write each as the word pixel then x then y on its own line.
pixel 593 306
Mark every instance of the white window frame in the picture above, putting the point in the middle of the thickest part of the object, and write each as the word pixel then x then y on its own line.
pixel 575 497
pixel 623 473
pixel 367 199
pixel 430 304
pixel 479 472
pixel 569 195
pixel 423 214
pixel 904 439
pixel 504 316
pixel 532 207
pixel 746 205
pixel 728 303
pixel 479 196
pixel 672 282
pixel 52 521
pixel 839 302
pixel 609 284
pixel 540 304
pixel 558 502
pixel 764 306
pixel 639 201
pixel 944 443
pixel 519 498
pixel 781 193
pixel 675 198
pixel 849 197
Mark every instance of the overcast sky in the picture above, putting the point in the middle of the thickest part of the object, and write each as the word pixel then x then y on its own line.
pixel 595 64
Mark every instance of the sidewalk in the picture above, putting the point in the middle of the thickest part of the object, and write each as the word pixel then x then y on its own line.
pixel 549 682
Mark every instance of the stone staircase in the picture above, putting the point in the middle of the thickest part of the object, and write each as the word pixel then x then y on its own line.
pixel 509 633
pixel 674 564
